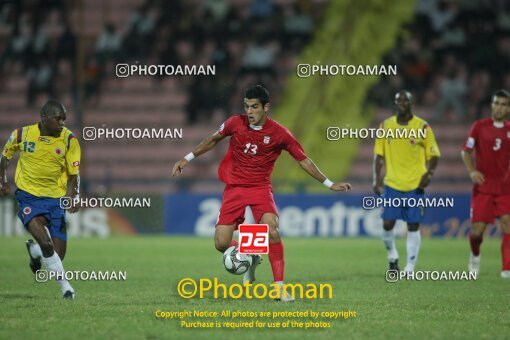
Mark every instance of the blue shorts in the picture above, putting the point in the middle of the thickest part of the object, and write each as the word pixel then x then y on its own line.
pixel 31 206
pixel 408 214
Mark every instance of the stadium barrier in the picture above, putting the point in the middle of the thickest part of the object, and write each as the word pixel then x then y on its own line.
pixel 306 215
pixel 301 215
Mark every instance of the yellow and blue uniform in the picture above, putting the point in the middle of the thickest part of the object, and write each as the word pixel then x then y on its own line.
pixel 405 161
pixel 44 166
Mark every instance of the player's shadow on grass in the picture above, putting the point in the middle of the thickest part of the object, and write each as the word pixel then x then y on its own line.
pixel 17 296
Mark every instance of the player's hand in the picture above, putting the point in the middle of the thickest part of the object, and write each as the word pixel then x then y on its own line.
pixel 178 166
pixel 74 209
pixel 4 189
pixel 477 177
pixel 425 180
pixel 341 187
pixel 378 188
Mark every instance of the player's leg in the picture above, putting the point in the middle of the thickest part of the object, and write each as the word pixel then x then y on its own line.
pixel 231 215
pixel 390 215
pixel 223 237
pixel 413 243
pixel 388 237
pixel 505 246
pixel 475 241
pixel 43 246
pixel 502 210
pixel 264 211
pixel 413 216
pixel 38 227
pixel 60 247
pixel 29 209
pixel 276 254
pixel 482 213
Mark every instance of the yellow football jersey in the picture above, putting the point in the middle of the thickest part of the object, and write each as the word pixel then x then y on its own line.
pixel 45 162
pixel 405 158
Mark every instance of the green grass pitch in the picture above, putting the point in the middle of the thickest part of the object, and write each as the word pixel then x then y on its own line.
pixel 354 267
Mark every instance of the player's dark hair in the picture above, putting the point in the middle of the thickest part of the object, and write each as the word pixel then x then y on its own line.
pixel 52 107
pixel 408 94
pixel 257 92
pixel 501 94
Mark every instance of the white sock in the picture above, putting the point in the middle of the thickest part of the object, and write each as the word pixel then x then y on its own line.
pixel 35 250
pixel 413 247
pixel 389 242
pixel 54 264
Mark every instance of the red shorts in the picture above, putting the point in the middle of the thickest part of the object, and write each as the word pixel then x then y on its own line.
pixel 486 207
pixel 236 199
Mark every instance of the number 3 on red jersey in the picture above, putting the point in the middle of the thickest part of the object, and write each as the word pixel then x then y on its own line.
pixel 497 144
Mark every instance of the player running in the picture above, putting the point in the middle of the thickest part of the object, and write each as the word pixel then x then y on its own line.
pixel 255 144
pixel 490 139
pixel 48 168
pixel 409 163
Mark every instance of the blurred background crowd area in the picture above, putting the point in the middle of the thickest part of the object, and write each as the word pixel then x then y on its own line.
pixel 451 55
pixel 57 43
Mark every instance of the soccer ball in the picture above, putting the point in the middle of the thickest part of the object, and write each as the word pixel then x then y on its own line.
pixel 235 262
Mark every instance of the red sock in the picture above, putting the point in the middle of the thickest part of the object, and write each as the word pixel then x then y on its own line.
pixel 505 251
pixel 475 243
pixel 276 259
pixel 234 243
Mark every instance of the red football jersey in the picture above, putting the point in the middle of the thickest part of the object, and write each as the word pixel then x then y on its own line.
pixel 492 150
pixel 252 152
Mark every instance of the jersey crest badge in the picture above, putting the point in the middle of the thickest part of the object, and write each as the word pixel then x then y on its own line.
pixel 27 210
pixel 266 139
pixel 58 151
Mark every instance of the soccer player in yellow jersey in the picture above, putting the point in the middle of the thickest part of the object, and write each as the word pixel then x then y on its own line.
pixel 48 169
pixel 410 163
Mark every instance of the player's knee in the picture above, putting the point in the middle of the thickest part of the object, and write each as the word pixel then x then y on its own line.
pixel 477 230
pixel 61 253
pixel 221 244
pixel 47 248
pixel 274 234
pixel 504 221
pixel 505 227
pixel 388 225
pixel 413 227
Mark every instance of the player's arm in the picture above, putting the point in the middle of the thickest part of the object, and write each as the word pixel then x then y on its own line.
pixel 431 167
pixel 73 186
pixel 309 166
pixel 73 156
pixel 11 147
pixel 467 155
pixel 207 144
pixel 377 166
pixel 4 185
pixel 476 176
pixel 432 155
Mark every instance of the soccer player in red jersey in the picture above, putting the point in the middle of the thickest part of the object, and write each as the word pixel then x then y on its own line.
pixel 490 139
pixel 255 144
